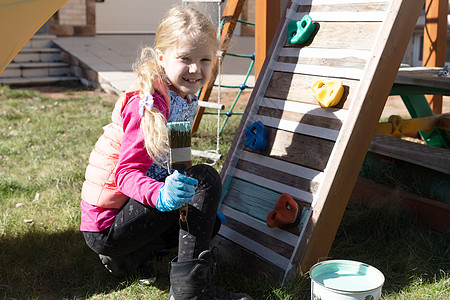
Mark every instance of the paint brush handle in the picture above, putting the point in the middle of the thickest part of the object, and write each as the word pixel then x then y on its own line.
pixel 182 168
pixel 180 152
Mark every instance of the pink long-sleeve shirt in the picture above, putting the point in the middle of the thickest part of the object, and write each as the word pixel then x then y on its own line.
pixel 130 177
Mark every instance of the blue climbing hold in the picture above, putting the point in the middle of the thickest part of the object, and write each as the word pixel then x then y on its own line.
pixel 256 136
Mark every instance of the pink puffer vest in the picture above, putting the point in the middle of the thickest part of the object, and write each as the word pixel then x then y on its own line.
pixel 99 188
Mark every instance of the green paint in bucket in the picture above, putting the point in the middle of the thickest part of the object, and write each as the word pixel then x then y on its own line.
pixel 345 280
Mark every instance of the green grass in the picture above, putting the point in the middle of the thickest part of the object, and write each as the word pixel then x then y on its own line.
pixel 44 148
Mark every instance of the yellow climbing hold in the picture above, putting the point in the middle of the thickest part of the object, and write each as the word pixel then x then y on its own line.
pixel 328 92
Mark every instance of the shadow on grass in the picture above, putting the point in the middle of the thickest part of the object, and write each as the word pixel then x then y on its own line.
pixel 60 265
pixel 390 238
pixel 55 266
pixel 387 237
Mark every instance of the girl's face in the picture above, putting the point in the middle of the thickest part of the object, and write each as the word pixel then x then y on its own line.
pixel 187 67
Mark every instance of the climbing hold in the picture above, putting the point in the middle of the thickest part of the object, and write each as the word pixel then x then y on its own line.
pixel 286 211
pixel 256 136
pixel 300 31
pixel 328 92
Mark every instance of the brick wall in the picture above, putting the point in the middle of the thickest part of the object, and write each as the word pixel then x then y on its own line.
pixel 75 18
pixel 73 13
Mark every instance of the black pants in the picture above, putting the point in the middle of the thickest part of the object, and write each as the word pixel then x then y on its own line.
pixel 138 229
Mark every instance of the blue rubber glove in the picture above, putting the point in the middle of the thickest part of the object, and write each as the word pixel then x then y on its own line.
pixel 177 190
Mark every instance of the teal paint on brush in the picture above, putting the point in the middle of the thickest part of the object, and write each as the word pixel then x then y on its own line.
pixel 179 134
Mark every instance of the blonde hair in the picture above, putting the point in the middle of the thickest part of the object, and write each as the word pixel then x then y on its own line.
pixel 182 24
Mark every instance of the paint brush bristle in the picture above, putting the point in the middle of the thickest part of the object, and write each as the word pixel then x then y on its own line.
pixel 179 134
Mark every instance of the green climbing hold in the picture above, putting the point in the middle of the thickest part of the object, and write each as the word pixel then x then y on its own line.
pixel 300 31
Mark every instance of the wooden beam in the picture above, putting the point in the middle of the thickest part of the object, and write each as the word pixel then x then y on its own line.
pixel 434 42
pixel 396 126
pixel 267 17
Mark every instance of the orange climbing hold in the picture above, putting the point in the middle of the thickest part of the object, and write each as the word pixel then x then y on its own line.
pixel 286 212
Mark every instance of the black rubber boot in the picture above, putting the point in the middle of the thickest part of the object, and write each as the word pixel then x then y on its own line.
pixel 193 280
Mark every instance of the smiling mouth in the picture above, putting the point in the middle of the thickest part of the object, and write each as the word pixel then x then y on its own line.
pixel 191 80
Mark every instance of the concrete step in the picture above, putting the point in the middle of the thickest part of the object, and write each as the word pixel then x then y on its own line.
pixel 40 41
pixel 35 69
pixel 38 55
pixel 18 81
pixel 38 62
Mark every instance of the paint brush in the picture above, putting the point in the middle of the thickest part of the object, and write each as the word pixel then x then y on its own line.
pixel 180 151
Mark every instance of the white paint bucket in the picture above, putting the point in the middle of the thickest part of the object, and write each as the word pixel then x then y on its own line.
pixel 345 280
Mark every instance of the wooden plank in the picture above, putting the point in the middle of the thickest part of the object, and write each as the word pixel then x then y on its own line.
pixel 317 70
pixel 343 16
pixel 252 199
pixel 273 185
pixel 266 241
pixel 349 11
pixel 254 265
pixel 297 87
pixel 305 129
pixel 342 54
pixel 308 119
pixel 423 155
pixel 277 175
pixel 288 237
pixel 305 109
pixel 343 6
pixel 350 63
pixel 424 77
pixel 250 244
pixel 296 170
pixel 310 152
pixel 211 105
pixel 330 35
pixel 212 155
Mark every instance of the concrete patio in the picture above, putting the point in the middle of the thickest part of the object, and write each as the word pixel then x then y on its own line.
pixel 108 59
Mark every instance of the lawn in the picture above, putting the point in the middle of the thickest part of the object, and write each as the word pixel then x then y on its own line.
pixel 45 141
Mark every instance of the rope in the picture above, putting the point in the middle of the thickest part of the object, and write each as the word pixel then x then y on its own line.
pixel 219 85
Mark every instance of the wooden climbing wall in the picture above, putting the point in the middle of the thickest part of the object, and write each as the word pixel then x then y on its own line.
pixel 313 153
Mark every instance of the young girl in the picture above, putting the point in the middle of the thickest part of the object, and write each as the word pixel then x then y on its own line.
pixel 130 199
